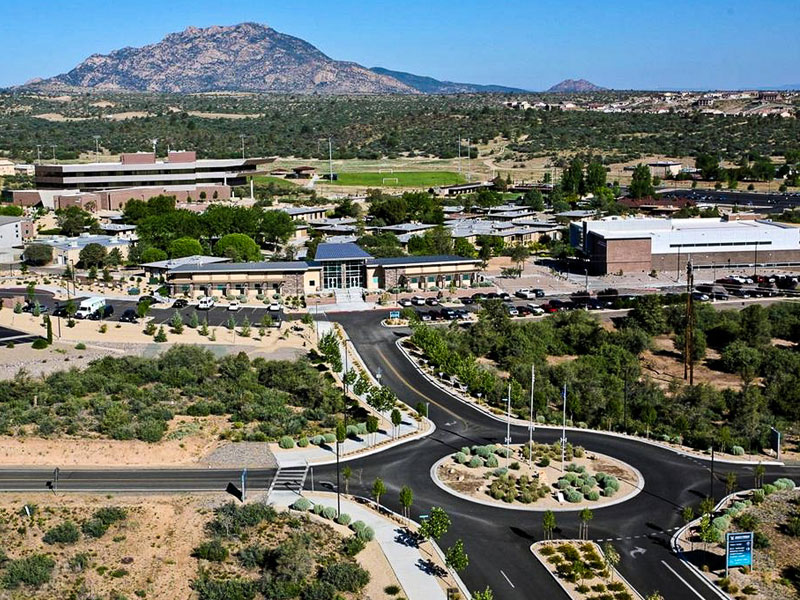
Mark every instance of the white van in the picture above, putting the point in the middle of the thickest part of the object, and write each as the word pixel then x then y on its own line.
pixel 89 306
pixel 205 303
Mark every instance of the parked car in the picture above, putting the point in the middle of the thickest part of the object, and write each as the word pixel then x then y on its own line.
pixel 180 303
pixel 418 301
pixel 535 309
pixel 700 296
pixel 524 311
pixel 405 303
pixel 274 307
pixel 424 315
pixel 505 297
pixel 512 311
pixel 234 305
pixel 739 293
pixel 60 310
pixel 31 307
pixel 461 313
pixel 205 303
pixel 719 295
pixel 449 314
pixel 529 293
pixel 549 308
pixel 102 313
pixel 466 300
pixel 148 299
pixel 129 315
pixel 558 304
pixel 479 296
pixel 431 302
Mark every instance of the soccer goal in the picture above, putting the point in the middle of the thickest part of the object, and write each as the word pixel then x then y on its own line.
pixel 391 181
pixel 385 170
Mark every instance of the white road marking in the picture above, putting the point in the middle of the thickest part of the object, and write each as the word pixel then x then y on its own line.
pixel 507 579
pixel 686 583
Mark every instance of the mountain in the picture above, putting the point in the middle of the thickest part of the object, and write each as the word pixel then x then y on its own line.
pixel 575 86
pixel 245 57
pixel 429 85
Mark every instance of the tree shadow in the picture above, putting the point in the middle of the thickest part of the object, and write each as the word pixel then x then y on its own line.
pixel 523 534
pixel 431 568
pixel 406 537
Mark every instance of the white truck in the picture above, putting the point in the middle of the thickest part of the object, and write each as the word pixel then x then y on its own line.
pixel 89 306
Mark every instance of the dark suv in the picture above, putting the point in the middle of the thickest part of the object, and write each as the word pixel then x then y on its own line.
pixel 102 313
pixel 129 316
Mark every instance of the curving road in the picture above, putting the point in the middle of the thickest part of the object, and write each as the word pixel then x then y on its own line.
pixel 496 539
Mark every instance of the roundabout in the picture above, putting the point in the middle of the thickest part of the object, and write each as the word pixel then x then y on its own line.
pixel 487 476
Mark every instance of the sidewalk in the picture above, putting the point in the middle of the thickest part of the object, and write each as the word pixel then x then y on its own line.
pixel 408 561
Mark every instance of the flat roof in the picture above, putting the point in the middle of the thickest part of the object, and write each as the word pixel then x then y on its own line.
pixel 346 251
pixel 195 259
pixel 424 260
pixel 263 266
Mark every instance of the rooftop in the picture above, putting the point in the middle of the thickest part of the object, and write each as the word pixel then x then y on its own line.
pixel 81 241
pixel 421 260
pixel 195 260
pixel 346 251
pixel 293 265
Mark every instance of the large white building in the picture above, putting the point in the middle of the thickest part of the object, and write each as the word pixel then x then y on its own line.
pixel 624 245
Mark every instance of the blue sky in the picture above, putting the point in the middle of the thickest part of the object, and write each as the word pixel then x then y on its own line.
pixel 643 44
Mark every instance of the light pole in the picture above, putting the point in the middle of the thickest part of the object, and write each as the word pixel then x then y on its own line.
pixel 53 146
pixel 564 429
pixel 39 153
pixel 242 136
pixel 96 147
pixel 508 426
pixel 530 425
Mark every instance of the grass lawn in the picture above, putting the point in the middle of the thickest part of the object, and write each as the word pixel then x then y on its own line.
pixel 281 183
pixel 399 179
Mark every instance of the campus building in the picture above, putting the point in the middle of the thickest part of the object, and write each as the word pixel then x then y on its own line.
pixel 141 169
pixel 334 267
pixel 67 250
pixel 617 245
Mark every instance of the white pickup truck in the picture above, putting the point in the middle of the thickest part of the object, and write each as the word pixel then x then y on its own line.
pixel 529 293
pixel 89 306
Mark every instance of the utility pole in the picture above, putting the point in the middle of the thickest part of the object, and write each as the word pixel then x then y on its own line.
pixel 469 160
pixel 688 350
pixel 39 153
pixel 96 148
pixel 459 153
pixel 530 425
pixel 625 402
pixel 712 472
pixel 56 471
pixel 244 484
pixel 241 135
pixel 564 429
pixel 508 426
pixel 53 146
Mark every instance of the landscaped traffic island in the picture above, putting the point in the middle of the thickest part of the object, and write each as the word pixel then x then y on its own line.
pixel 532 478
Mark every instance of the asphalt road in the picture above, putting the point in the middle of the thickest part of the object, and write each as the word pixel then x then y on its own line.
pixel 775 202
pixel 497 539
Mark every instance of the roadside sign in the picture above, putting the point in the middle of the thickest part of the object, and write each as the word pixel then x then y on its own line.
pixel 775 441
pixel 394 314
pixel 738 550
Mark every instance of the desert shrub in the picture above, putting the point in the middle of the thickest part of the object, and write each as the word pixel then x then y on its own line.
pixel 737 451
pixel 329 512
pixel 563 484
pixel 213 551
pixel 367 534
pixel 722 523
pixel 318 590
pixel 514 465
pixel 573 496
pixel 345 577
pixel 586 489
pixel 94 528
pixel 482 451
pixel 39 344
pixel 460 458
pixel 302 442
pixel 769 489
pixel 758 496
pixel 223 589
pixel 578 451
pixel 357 526
pixel 466 451
pixel 391 590
pixel 343 519
pixel 353 545
pixel 317 440
pixel 593 495
pixel 34 570
pixel 747 521
pixel 608 492
pixel 63 533
pixel 317 509
pixel 760 540
pixel 491 462
pixel 253 556
pixel 286 442
pixel 784 484
pixel 329 438
pixel 544 461
pixel 79 562
pixel 231 518
pixel 475 461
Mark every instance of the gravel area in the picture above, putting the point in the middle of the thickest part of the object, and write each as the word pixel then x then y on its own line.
pixel 241 454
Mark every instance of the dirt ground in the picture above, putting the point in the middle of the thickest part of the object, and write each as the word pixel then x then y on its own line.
pixel 189 441
pixel 146 555
pixel 473 481
pixel 664 365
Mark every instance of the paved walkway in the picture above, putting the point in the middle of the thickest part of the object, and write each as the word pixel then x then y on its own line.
pixel 407 560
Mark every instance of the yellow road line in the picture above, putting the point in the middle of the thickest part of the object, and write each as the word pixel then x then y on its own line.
pixel 416 391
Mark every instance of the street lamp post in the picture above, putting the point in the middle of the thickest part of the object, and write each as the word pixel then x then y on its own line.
pixel 564 429
pixel 508 427
pixel 530 425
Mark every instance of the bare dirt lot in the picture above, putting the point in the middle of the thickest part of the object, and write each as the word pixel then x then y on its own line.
pixel 665 365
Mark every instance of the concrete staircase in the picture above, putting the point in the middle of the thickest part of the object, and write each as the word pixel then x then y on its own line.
pixel 289 478
pixel 350 299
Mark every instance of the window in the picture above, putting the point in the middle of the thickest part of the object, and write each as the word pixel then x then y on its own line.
pixel 312 283
pixel 413 280
pixel 431 278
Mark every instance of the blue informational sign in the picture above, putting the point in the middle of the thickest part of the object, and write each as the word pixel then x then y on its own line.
pixel 394 314
pixel 739 548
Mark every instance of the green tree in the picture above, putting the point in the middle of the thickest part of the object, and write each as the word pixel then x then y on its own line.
pixel 641 183
pixel 381 398
pixel 742 359
pixel 486 594
pixel 245 329
pixel 549 524
pixel 177 323
pixel 397 418
pixel 276 227
pixel 372 426
pixel 92 255
pixel 347 473
pixel 114 258
pixel 38 254
pixel 730 482
pixel 142 309
pixel 238 247
pixel 519 254
pixel 73 221
pixel 152 254
pixel 378 490
pixel 585 516
pixel 406 500
pixel 185 246
pixel 595 177
pixel 610 558
pixel 708 165
pixel 648 314
pixel 160 336
pixel 436 525
pixel 534 199
pixel 456 558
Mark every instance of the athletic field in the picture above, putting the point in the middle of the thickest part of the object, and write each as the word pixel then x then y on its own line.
pixel 423 179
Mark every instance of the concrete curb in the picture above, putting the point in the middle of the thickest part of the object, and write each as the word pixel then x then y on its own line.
pixel 638 487
pixel 520 423
pixel 558 580
pixel 678 550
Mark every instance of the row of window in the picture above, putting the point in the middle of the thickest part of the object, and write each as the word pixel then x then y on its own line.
pixel 718 244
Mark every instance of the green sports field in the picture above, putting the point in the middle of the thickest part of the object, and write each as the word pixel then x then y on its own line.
pixel 423 179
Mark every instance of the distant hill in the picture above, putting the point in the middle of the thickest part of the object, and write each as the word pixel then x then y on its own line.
pixel 429 85
pixel 248 57
pixel 244 57
pixel 575 85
